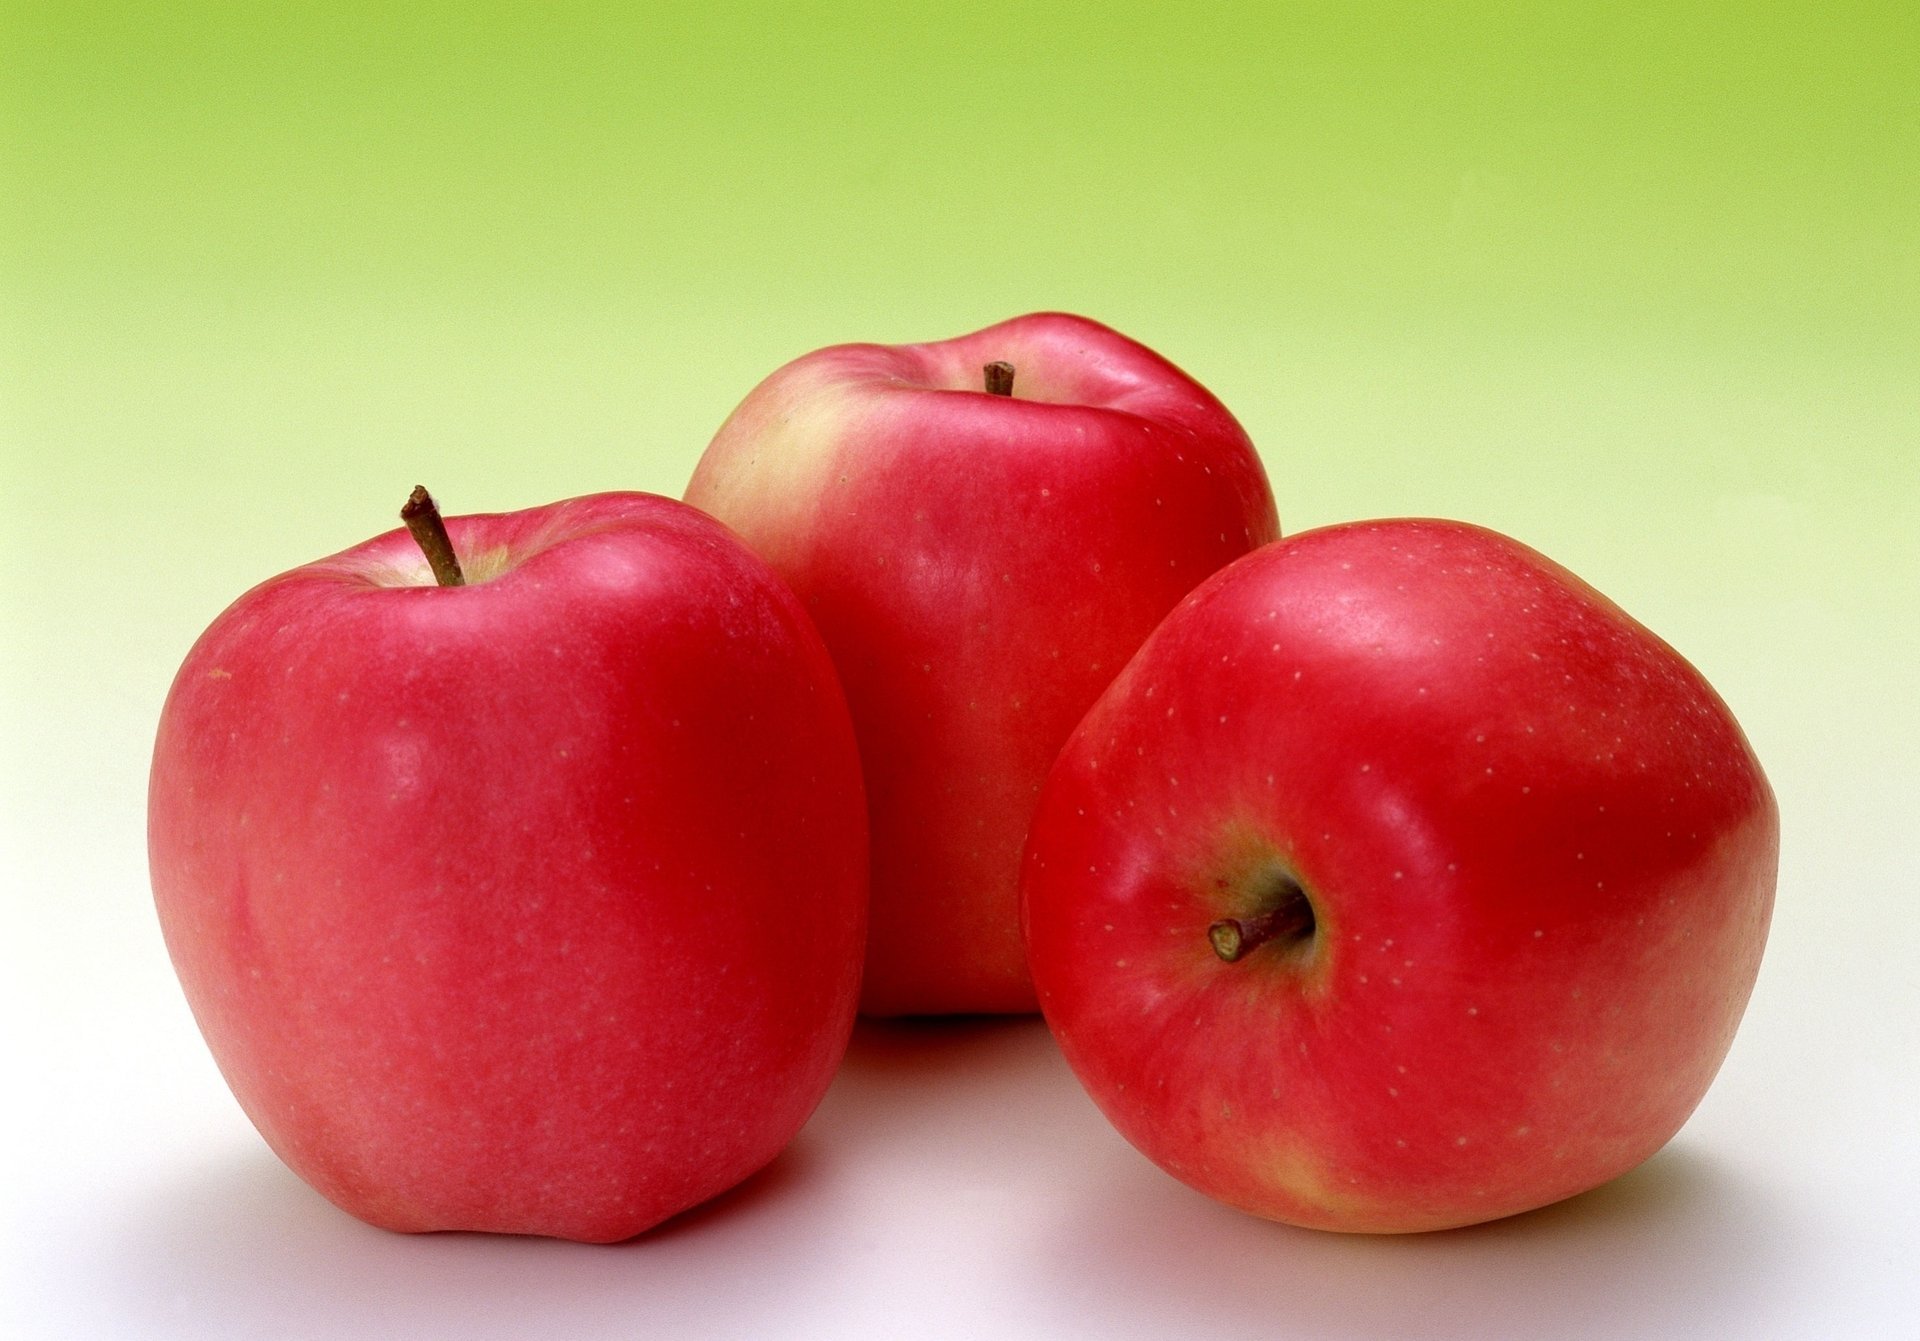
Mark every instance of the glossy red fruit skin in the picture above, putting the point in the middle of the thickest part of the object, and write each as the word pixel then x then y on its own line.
pixel 531 906
pixel 981 566
pixel 1540 852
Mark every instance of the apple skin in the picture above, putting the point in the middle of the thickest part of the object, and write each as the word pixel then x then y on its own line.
pixel 1539 852
pixel 534 905
pixel 980 566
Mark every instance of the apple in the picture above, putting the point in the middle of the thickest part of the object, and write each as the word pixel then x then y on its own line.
pixel 984 529
pixel 530 905
pixel 1401 881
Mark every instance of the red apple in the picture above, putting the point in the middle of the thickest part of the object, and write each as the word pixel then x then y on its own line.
pixel 532 905
pixel 981 565
pixel 1401 881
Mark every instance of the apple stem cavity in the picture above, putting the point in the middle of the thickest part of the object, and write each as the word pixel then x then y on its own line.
pixel 430 533
pixel 999 378
pixel 1289 921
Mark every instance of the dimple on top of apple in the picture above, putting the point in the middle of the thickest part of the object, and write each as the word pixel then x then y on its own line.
pixel 980 565
pixel 1522 854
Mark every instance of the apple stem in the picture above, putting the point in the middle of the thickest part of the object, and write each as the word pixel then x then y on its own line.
pixel 999 378
pixel 1290 920
pixel 430 533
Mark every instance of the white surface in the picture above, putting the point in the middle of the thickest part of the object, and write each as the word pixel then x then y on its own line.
pixel 955 1183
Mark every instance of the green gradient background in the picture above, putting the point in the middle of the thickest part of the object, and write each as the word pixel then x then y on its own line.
pixel 1635 283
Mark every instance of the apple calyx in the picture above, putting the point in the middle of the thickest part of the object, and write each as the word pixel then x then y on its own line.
pixel 430 533
pixel 1289 920
pixel 999 376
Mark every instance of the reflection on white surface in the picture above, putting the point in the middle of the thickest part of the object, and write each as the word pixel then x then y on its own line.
pixel 955 1183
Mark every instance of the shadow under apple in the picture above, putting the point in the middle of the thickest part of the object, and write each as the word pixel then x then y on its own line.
pixel 241 1247
pixel 1681 1243
pixel 959 1102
